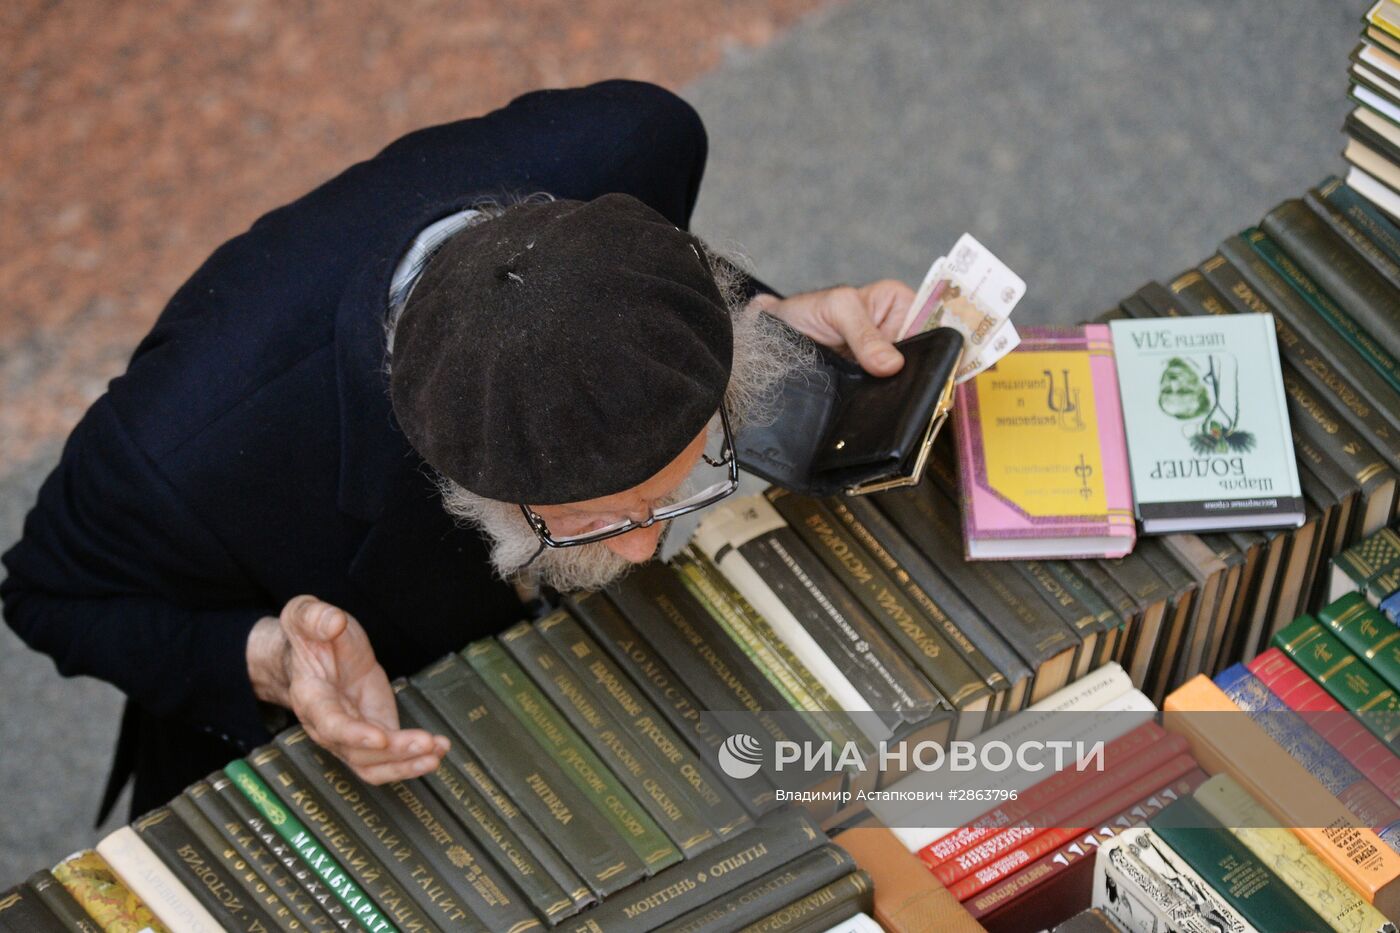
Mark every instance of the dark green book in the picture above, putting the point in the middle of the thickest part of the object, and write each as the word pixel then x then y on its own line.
pixel 1374 238
pixel 822 909
pixel 1350 295
pixel 952 680
pixel 620 640
pixel 930 521
pixel 669 804
pixel 1370 567
pixel 188 860
pixel 60 903
pixel 657 603
pixel 536 782
pixel 1370 635
pixel 311 902
pixel 237 868
pixel 22 911
pixel 631 707
pixel 1000 668
pixel 244 814
pixel 1229 866
pixel 1324 658
pixel 420 844
pixel 774 841
pixel 1318 353
pixel 537 868
pixel 780 887
pixel 548 727
pixel 317 835
pixel 1127 609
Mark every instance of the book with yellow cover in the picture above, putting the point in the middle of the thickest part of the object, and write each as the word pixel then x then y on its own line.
pixel 1044 466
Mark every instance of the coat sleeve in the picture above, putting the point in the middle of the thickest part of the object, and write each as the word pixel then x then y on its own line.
pixel 115 578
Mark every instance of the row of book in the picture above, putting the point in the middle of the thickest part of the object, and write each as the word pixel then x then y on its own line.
pixel 1373 126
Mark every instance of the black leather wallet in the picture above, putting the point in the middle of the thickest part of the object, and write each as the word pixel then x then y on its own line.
pixel 840 429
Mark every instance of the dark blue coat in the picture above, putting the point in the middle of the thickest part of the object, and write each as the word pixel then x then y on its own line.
pixel 250 454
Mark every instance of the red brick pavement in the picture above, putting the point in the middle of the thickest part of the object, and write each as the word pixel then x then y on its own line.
pixel 140 135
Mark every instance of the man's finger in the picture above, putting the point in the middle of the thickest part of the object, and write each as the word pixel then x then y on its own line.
pixel 313 619
pixel 323 710
pixel 875 353
pixel 399 771
pixel 416 746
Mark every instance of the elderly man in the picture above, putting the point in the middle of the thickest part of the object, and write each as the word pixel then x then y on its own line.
pixel 488 359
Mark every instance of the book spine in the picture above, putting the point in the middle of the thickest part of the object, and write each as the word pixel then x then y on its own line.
pixel 23 911
pixel 193 865
pixel 657 603
pixel 1342 203
pixel 92 884
pixel 1077 823
pixel 1338 905
pixel 1083 795
pixel 68 913
pixel 797 684
pixel 882 542
pixel 1343 675
pixel 1038 796
pixel 654 677
pixel 1372 564
pixel 775 840
pixel 1370 635
pixel 419 843
pixel 1294 796
pixel 1232 869
pixel 1304 745
pixel 632 708
pixel 1105 619
pixel 817 912
pixel 462 785
pixel 146 876
pixel 243 839
pixel 1167 896
pixel 539 786
pixel 280 848
pixel 1075 857
pixel 793 881
pixel 1361 231
pixel 311 824
pixel 1320 355
pixel 235 867
pixel 1337 281
pixel 668 803
pixel 1043 642
pixel 1329 719
pixel 951 678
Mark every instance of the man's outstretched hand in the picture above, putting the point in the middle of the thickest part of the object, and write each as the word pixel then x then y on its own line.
pixel 316 660
pixel 863 320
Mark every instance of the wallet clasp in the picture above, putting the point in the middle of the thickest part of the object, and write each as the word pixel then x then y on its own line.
pixel 916 471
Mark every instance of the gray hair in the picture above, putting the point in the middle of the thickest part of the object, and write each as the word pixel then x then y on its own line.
pixel 765 353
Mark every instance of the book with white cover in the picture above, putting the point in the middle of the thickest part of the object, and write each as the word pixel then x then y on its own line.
pixel 146 875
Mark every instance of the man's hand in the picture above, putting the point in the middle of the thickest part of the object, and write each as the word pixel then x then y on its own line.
pixel 863 320
pixel 317 661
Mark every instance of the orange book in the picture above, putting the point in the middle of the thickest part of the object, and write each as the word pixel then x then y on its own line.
pixel 1237 746
pixel 908 898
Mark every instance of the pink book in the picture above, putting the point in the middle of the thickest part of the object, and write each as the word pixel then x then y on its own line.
pixel 1041 452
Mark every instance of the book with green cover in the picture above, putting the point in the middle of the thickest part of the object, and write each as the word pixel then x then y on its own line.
pixel 547 726
pixel 1341 673
pixel 1371 567
pixel 1232 868
pixel 1363 629
pixel 1209 446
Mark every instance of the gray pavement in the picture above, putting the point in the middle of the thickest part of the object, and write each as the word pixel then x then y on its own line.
pixel 1092 144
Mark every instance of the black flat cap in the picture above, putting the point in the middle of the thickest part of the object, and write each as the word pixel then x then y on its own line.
pixel 562 351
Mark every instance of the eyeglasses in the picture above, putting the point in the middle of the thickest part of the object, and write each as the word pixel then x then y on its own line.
pixel 709 495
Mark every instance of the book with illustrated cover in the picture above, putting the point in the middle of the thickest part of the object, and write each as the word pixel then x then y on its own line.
pixel 1208 440
pixel 1041 453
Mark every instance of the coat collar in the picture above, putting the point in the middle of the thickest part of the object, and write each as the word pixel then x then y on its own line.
pixel 373 449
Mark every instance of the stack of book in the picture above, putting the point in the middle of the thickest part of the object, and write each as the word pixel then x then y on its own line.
pixel 1373 126
pixel 1371 567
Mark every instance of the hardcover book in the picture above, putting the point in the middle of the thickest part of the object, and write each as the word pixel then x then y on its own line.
pixel 1208 437
pixel 1040 449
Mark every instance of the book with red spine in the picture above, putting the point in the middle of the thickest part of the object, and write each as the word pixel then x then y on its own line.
pixel 1110 801
pixel 1091 788
pixel 1056 785
pixel 1061 882
pixel 1344 732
